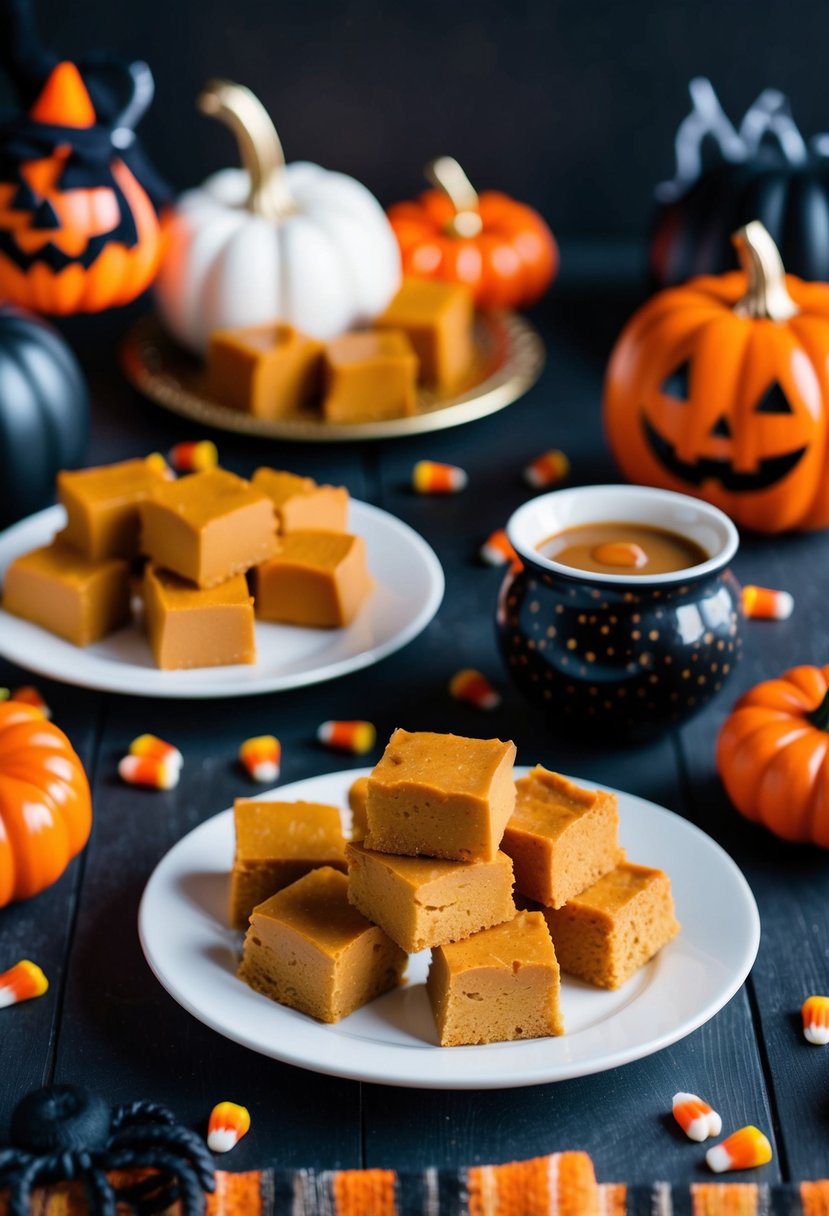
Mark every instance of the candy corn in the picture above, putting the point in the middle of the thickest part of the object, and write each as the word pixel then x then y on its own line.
pixel 547 470
pixel 27 694
pixel 156 461
pixel 815 1013
pixel 742 1150
pixel 260 757
pixel 227 1125
pixel 21 982
pixel 474 688
pixel 497 550
pixel 695 1117
pixel 356 737
pixel 194 457
pixel 155 772
pixel 763 604
pixel 428 477
pixel 156 749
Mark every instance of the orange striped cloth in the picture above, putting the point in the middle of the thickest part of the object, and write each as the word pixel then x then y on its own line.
pixel 562 1184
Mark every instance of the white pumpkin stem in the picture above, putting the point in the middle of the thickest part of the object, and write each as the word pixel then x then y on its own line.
pixel 767 296
pixel 259 145
pixel 448 176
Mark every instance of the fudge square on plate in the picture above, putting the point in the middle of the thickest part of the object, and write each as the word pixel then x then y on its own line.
pixel 301 504
pixel 189 627
pixel 425 901
pixel 501 984
pixel 613 928
pixel 208 527
pixel 316 579
pixel 441 795
pixel 102 506
pixel 309 949
pixel 277 843
pixel 269 370
pixel 75 597
pixel 561 837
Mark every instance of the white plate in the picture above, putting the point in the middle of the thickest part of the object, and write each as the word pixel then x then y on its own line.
pixel 407 594
pixel 182 926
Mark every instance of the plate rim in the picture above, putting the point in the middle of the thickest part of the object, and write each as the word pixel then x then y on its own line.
pixel 507 384
pixel 335 670
pixel 376 1075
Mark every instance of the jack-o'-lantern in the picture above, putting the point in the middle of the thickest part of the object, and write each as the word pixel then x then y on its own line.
pixel 719 389
pixel 78 230
pixel 272 241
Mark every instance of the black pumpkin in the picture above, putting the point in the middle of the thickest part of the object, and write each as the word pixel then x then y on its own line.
pixel 44 413
pixel 764 170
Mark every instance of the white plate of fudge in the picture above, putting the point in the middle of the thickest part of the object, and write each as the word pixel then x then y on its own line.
pixel 332 973
pixel 243 586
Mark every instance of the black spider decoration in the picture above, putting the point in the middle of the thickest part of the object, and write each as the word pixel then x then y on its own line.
pixel 63 1133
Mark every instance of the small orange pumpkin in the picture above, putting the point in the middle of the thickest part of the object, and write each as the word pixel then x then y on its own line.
pixel 78 232
pixel 501 249
pixel 45 805
pixel 773 755
pixel 720 389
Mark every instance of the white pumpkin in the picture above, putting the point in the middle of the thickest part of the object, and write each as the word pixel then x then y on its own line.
pixel 272 241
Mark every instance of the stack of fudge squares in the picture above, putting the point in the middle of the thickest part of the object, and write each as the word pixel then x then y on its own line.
pixel 440 835
pixel 193 543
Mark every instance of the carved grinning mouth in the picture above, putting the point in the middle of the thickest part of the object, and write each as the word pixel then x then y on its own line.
pixel 768 472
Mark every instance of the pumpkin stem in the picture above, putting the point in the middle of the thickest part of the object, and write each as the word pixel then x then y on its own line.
pixel 448 176
pixel 820 717
pixel 259 145
pixel 767 296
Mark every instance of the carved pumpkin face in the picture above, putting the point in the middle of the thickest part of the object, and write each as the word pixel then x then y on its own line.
pixel 729 408
pixel 78 233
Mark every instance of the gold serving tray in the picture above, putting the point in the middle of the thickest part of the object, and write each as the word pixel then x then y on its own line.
pixel 509 356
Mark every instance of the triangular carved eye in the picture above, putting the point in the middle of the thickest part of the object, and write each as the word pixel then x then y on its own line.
pixel 773 401
pixel 676 385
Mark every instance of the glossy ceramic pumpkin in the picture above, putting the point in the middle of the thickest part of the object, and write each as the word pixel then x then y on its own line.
pixel 720 389
pixel 773 755
pixel 44 413
pixel 764 170
pixel 272 241
pixel 78 232
pixel 45 806
pixel 500 248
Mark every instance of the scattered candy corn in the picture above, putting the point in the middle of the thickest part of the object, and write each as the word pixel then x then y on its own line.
pixel 497 550
pixel 695 1117
pixel 356 737
pixel 547 469
pixel 158 773
pixel 27 694
pixel 742 1150
pixel 428 477
pixel 764 604
pixel 154 748
pixel 156 461
pixel 194 457
pixel 227 1125
pixel 474 688
pixel 21 982
pixel 816 1020
pixel 260 756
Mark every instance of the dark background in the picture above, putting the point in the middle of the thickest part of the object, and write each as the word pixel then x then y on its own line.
pixel 571 106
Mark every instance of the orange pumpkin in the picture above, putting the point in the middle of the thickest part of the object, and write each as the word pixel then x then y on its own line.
pixel 501 249
pixel 78 232
pixel 773 755
pixel 45 806
pixel 720 389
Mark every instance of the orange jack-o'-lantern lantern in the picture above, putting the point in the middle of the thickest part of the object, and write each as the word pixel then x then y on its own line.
pixel 78 231
pixel 720 389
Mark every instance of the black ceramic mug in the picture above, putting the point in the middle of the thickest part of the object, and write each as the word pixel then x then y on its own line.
pixel 619 655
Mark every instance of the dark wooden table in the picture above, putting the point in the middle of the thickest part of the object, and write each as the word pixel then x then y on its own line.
pixel 108 1024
